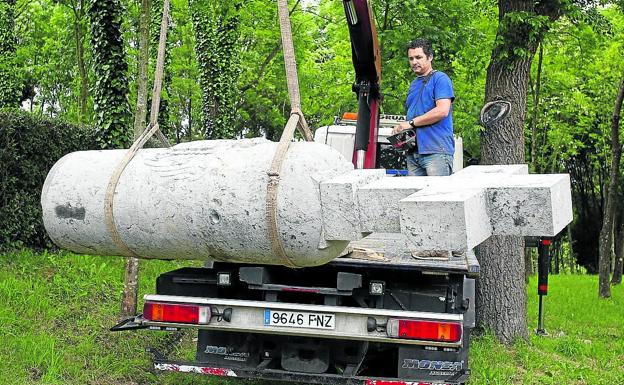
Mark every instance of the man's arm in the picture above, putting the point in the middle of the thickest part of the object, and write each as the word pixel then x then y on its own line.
pixel 437 113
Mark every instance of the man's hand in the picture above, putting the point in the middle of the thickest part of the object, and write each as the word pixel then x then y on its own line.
pixel 401 127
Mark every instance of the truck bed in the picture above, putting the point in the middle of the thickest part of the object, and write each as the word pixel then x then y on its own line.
pixel 393 250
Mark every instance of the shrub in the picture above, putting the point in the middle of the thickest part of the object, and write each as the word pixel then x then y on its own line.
pixel 29 147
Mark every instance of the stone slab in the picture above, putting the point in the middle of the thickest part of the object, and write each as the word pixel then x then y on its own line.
pixel 507 169
pixel 379 201
pixel 531 205
pixel 452 220
pixel 339 204
pixel 515 204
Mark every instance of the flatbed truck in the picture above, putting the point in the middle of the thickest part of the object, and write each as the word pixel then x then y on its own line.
pixel 377 315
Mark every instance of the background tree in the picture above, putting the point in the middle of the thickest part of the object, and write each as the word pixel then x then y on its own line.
pixel 263 107
pixel 567 131
pixel 140 115
pixel 164 117
pixel 501 293
pixel 618 247
pixel 79 27
pixel 217 46
pixel 111 85
pixel 185 95
pixel 572 130
pixel 606 234
pixel 131 270
pixel 618 266
pixel 10 91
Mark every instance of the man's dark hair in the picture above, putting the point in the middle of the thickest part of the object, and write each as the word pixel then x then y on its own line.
pixel 421 43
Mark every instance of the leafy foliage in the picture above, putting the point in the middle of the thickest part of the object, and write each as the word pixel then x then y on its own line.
pixel 573 126
pixel 245 88
pixel 10 91
pixel 216 31
pixel 29 146
pixel 164 118
pixel 184 93
pixel 111 86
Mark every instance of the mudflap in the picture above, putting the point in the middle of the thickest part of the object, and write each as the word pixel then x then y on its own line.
pixel 231 350
pixel 435 364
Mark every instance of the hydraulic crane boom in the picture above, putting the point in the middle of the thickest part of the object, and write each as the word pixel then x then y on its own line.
pixel 367 63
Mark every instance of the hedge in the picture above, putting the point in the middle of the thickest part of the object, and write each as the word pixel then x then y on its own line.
pixel 29 147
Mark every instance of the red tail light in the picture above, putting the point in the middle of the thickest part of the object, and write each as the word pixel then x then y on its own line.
pixel 179 313
pixel 425 330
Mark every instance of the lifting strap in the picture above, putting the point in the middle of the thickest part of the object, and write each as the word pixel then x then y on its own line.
pixel 295 121
pixel 151 129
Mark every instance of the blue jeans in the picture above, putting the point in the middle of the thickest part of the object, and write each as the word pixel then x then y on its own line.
pixel 429 164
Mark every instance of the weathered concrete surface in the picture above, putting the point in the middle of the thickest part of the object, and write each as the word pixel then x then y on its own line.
pixel 202 200
pixel 461 211
pixel 510 169
pixel 523 205
pixel 379 201
pixel 449 220
pixel 206 200
pixel 340 209
pixel 530 205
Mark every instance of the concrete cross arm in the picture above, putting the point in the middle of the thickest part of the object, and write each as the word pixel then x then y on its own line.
pixel 460 211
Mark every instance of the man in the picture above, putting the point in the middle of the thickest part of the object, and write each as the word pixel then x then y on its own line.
pixel 429 106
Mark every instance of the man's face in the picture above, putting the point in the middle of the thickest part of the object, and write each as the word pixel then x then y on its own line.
pixel 419 62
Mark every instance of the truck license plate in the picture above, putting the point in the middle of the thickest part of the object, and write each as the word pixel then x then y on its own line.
pixel 297 319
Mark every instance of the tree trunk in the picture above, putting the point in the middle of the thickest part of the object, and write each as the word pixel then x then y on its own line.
pixel 131 288
pixel 79 35
pixel 619 250
pixel 528 264
pixel 190 116
pixel 140 116
pixel 538 86
pixel 501 295
pixel 571 243
pixel 131 276
pixel 606 234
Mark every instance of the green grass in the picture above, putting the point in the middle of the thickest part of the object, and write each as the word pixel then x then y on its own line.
pixel 584 345
pixel 56 309
pixel 55 312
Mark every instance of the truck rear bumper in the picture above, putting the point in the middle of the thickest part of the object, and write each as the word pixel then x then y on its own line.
pixel 363 324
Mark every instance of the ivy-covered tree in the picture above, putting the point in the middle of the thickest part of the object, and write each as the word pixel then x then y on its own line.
pixel 10 91
pixel 217 48
pixel 111 86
